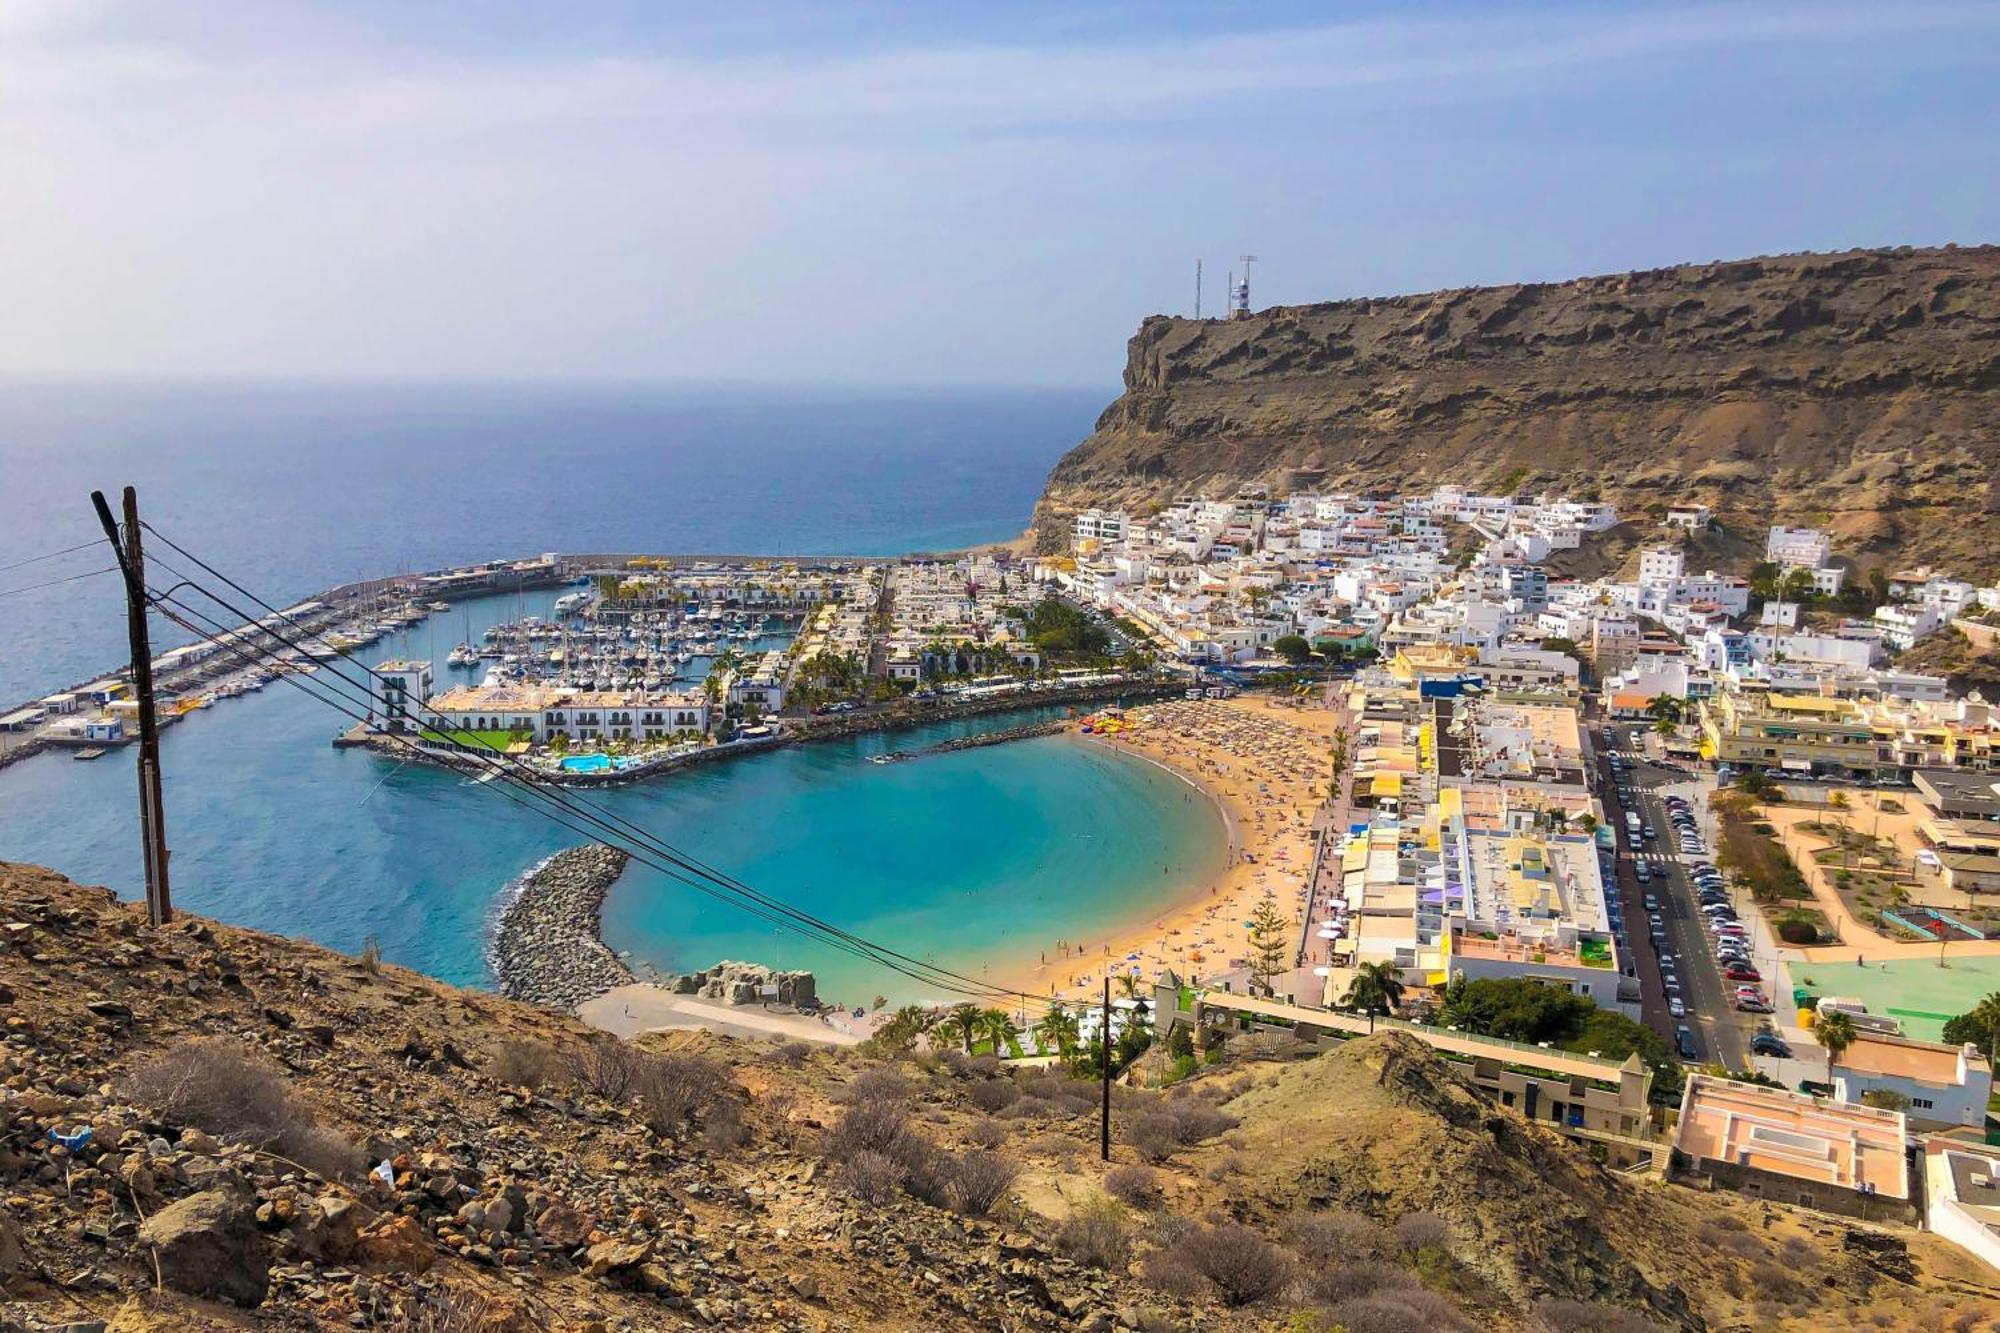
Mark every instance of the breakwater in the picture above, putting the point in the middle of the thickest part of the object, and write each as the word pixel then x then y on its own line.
pixel 547 949
pixel 984 738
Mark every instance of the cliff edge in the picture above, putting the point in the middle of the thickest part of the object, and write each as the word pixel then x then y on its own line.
pixel 1856 391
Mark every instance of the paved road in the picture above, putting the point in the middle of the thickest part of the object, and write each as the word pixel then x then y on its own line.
pixel 1721 1033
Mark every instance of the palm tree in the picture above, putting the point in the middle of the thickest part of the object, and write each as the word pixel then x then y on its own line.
pixel 1128 983
pixel 999 1028
pixel 1986 1015
pixel 1377 988
pixel 1058 1030
pixel 1835 1031
pixel 962 1018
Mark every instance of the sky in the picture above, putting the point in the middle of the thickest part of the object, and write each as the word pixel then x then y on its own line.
pixel 921 194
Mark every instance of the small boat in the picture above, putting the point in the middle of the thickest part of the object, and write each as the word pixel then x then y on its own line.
pixel 89 752
pixel 438 606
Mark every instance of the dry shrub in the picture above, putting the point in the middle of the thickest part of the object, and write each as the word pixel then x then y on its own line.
pixel 790 1054
pixel 1228 1260
pixel 878 1084
pixel 878 1126
pixel 1415 1310
pixel 1359 1278
pixel 1337 1236
pixel 225 1088
pixel 993 1096
pixel 677 1088
pixel 1138 1186
pixel 1172 1124
pixel 1422 1231
pixel 607 1066
pixel 447 1311
pixel 1194 1121
pixel 1153 1135
pixel 1554 1316
pixel 980 1180
pixel 986 1134
pixel 872 1176
pixel 1096 1233
pixel 524 1064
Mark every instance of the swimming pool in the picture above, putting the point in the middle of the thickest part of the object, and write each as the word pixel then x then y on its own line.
pixel 599 763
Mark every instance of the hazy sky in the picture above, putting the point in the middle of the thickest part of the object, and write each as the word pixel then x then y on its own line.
pixel 990 193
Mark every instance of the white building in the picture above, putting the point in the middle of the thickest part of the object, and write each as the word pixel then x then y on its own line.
pixel 1904 623
pixel 1661 565
pixel 1797 548
pixel 1104 526
pixel 1945 1085
pixel 402 688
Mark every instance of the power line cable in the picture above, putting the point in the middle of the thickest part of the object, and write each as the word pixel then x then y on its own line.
pixel 37 559
pixel 50 583
pixel 251 654
pixel 771 911
pixel 597 814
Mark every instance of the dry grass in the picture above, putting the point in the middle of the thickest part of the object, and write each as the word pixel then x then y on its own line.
pixel 225 1088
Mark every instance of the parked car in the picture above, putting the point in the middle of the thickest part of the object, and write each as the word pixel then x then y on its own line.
pixel 1684 1041
pixel 1677 1009
pixel 1742 972
pixel 1769 1043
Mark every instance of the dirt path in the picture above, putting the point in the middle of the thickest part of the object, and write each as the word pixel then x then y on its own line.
pixel 629 1010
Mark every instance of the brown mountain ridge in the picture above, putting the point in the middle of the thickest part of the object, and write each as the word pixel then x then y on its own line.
pixel 1855 390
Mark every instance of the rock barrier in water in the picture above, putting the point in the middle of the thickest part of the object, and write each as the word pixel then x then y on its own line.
pixel 548 949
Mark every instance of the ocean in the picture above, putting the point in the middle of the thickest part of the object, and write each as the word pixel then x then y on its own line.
pixel 976 859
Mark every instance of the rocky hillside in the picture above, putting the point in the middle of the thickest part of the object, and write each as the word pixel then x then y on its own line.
pixel 1858 390
pixel 207 1128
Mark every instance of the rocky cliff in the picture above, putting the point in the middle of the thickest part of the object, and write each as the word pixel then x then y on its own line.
pixel 1854 390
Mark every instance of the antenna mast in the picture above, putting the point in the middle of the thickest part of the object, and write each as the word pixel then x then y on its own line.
pixel 1197 289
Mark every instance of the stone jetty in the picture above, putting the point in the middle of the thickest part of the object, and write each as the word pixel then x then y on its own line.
pixel 548 950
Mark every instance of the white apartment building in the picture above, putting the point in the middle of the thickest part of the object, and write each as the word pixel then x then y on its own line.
pixel 1904 623
pixel 1106 527
pixel 402 688
pixel 1797 548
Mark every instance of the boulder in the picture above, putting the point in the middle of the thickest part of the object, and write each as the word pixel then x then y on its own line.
pixel 615 1256
pixel 399 1244
pixel 208 1245
pixel 563 1226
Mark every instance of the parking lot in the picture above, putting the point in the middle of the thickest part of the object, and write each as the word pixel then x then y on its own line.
pixel 1681 968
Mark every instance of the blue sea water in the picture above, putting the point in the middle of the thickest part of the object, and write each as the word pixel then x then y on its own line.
pixel 976 859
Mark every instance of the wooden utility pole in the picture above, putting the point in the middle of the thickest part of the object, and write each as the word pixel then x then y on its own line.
pixel 1104 1068
pixel 152 809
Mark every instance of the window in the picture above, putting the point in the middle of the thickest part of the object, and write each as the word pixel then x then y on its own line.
pixel 1923 1103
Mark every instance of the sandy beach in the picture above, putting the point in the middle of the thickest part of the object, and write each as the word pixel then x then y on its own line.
pixel 1267 765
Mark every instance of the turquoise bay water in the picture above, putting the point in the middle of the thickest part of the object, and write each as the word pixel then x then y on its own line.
pixel 968 858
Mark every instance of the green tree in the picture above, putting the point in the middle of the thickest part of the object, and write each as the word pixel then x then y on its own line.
pixel 1058 1031
pixel 1268 929
pixel 1377 988
pixel 997 1026
pixel 1833 1030
pixel 1665 708
pixel 1980 1025
pixel 1293 648
pixel 962 1019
